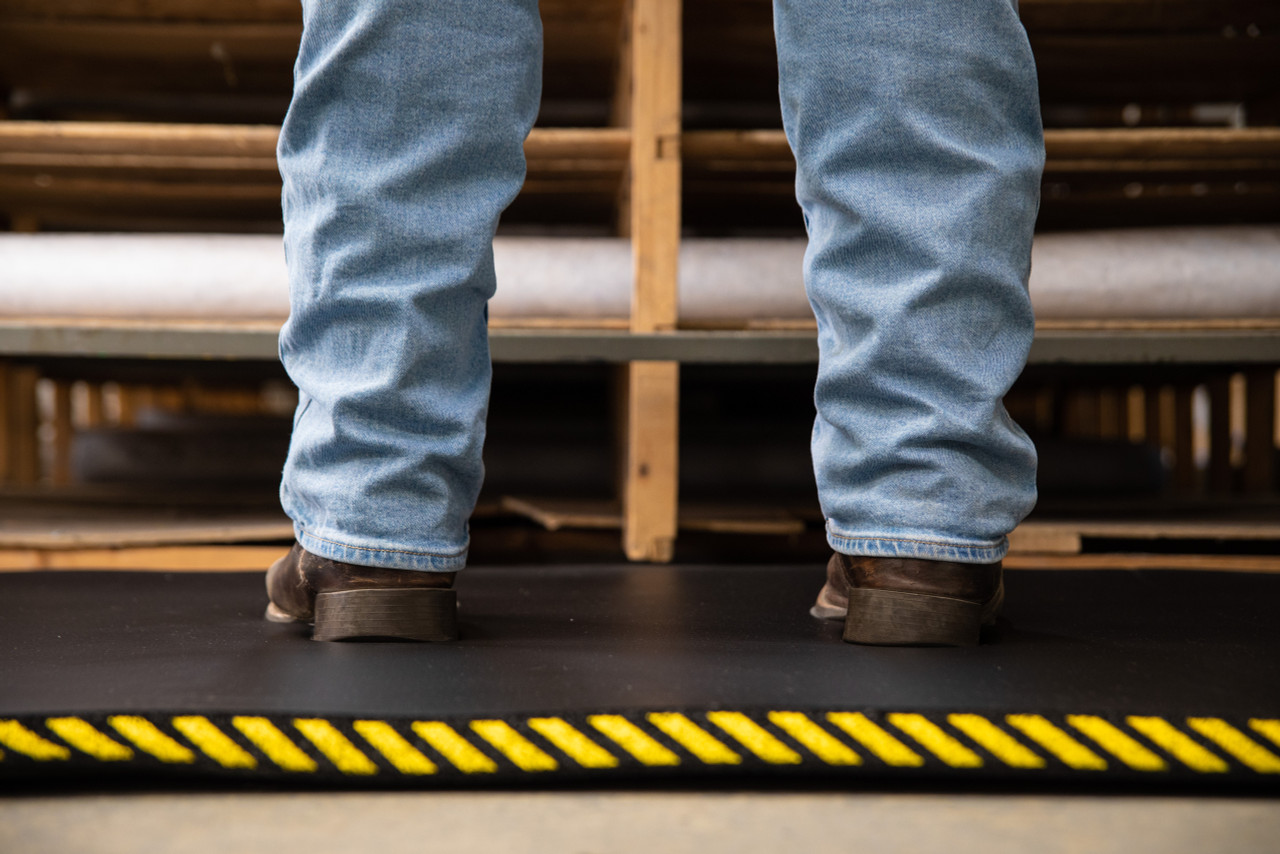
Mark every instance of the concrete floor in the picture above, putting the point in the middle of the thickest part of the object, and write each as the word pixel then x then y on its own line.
pixel 625 822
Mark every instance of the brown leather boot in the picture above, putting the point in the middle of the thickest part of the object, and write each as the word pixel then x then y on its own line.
pixel 343 600
pixel 908 602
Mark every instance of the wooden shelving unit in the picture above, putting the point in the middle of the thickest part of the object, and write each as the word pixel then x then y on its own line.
pixel 163 116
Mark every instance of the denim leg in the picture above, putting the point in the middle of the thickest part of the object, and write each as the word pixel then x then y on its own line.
pixel 402 145
pixel 917 134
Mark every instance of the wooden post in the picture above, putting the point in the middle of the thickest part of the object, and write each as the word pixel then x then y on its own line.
pixel 60 471
pixel 22 419
pixel 650 483
pixel 1260 430
pixel 93 408
pixel 1110 414
pixel 1135 416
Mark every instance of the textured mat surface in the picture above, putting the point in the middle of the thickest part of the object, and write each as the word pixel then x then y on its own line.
pixel 625 672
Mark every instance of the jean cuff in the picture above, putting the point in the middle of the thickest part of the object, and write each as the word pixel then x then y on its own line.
pixel 385 558
pixel 919 548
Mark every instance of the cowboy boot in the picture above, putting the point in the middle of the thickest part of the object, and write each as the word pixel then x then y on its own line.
pixel 343 600
pixel 910 602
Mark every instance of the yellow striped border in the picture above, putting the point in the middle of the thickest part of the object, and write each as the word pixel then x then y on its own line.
pixel 664 742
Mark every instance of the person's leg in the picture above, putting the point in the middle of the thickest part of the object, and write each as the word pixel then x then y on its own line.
pixel 402 145
pixel 917 135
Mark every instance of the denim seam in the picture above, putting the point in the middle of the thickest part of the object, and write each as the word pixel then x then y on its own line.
pixel 942 543
pixel 382 551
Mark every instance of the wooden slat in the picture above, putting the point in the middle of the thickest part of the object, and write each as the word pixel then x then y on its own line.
pixel 561 514
pixel 89 146
pixel 1067 150
pixel 60 473
pixel 22 421
pixel 57 169
pixel 1260 430
pixel 161 559
pixel 1211 563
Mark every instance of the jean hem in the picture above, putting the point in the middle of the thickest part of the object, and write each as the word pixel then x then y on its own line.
pixel 385 558
pixel 919 548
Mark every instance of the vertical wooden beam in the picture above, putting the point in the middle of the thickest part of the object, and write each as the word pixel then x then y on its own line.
pixel 649 493
pixel 60 470
pixel 94 415
pixel 1082 416
pixel 1220 433
pixel 23 423
pixel 1110 414
pixel 1260 430
pixel 1135 416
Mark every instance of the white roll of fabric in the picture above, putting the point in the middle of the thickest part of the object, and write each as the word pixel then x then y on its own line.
pixel 1171 273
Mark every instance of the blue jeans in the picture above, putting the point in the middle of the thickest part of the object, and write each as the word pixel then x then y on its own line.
pixel 917 135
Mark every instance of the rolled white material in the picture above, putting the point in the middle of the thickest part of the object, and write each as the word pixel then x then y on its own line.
pixel 144 276
pixel 1175 273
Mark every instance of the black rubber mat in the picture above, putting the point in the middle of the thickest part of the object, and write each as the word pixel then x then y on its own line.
pixel 605 673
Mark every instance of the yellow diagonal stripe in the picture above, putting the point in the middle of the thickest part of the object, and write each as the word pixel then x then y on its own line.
pixel 335 746
pixel 1116 742
pixel 1072 753
pixel 1178 744
pixel 1239 745
pixel 461 753
pixel 402 755
pixel 755 738
pixel 82 735
pixel 213 742
pixel 996 741
pixel 576 746
pixel 1268 727
pixel 937 742
pixel 694 738
pixel 19 739
pixel 275 744
pixel 634 740
pixel 816 740
pixel 522 752
pixel 147 737
pixel 888 749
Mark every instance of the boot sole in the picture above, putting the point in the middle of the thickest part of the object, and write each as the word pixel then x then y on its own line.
pixel 895 618
pixel 420 615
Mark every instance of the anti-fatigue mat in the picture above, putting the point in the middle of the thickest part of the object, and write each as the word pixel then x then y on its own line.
pixel 626 673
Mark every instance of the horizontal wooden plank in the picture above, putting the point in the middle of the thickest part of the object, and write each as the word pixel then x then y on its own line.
pixel 254 143
pixel 160 559
pixel 1125 561
pixel 1067 150
pixel 556 514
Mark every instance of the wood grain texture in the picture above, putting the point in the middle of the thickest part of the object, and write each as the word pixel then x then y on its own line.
pixel 650 468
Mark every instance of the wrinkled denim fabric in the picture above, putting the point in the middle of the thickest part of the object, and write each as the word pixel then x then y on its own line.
pixel 917 133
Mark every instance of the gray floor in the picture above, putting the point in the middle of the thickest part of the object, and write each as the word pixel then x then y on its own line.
pixel 634 822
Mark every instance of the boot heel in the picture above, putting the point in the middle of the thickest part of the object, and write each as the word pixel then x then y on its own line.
pixel 421 614
pixel 894 618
